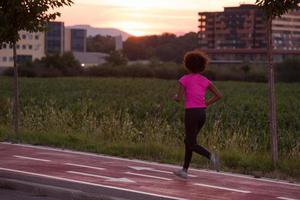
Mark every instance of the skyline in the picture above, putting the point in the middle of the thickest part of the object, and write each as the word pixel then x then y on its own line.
pixel 140 17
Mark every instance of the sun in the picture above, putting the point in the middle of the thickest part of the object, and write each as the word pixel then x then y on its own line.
pixel 133 28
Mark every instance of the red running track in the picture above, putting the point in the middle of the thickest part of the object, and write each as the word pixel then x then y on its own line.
pixel 138 177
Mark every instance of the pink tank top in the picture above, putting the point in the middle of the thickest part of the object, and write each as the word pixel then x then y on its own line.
pixel 195 86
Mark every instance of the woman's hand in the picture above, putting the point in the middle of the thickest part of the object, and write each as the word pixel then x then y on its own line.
pixel 176 98
pixel 216 93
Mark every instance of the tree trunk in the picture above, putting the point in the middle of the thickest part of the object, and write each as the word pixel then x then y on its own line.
pixel 16 108
pixel 272 104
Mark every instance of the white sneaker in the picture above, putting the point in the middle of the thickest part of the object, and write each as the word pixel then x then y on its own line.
pixel 215 162
pixel 181 173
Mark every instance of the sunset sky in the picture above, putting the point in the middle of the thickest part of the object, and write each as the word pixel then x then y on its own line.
pixel 143 17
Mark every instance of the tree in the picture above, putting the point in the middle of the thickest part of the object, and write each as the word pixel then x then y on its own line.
pixel 273 9
pixel 99 43
pixel 116 58
pixel 165 47
pixel 27 15
pixel 288 70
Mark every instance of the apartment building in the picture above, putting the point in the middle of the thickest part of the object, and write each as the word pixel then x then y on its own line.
pixel 239 33
pixel 286 31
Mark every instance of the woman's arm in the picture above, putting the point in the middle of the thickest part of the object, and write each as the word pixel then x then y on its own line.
pixel 216 93
pixel 177 97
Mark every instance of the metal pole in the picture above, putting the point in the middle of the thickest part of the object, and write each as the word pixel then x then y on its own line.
pixel 16 109
pixel 272 103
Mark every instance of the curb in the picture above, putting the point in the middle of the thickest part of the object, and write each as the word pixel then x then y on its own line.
pixel 68 190
pixel 50 191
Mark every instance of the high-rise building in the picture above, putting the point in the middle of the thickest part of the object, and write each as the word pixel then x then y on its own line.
pixel 239 34
pixel 54 38
pixel 31 46
pixel 75 40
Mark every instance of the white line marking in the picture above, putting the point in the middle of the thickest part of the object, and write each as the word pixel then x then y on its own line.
pixel 285 198
pixel 144 175
pixel 149 169
pixel 84 166
pixel 222 188
pixel 154 170
pixel 153 163
pixel 104 177
pixel 31 158
pixel 247 177
pixel 92 184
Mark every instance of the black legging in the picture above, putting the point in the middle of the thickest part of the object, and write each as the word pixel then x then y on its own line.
pixel 194 120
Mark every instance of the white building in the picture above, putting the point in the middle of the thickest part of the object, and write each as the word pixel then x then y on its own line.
pixel 88 59
pixel 56 40
pixel 31 46
pixel 119 42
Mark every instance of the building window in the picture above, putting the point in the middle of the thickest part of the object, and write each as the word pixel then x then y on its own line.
pixel 30 46
pixel 18 46
pixel 36 37
pixel 23 46
pixel 11 59
pixel 30 36
pixel 4 59
pixel 24 36
pixel 202 17
pixel 4 46
pixel 23 58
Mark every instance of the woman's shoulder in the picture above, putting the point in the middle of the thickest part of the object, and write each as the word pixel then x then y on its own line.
pixel 185 79
pixel 204 80
pixel 185 76
pixel 203 77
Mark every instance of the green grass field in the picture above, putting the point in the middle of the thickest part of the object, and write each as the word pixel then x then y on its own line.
pixel 137 118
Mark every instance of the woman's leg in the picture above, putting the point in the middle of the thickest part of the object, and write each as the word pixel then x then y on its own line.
pixel 194 121
pixel 198 148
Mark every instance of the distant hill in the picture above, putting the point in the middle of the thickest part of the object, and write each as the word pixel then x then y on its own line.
pixel 92 31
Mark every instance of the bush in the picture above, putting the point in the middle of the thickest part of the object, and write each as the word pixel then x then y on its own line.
pixel 66 65
pixel 240 72
pixel 170 70
pixel 116 58
pixel 163 71
pixel 288 70
pixel 50 66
